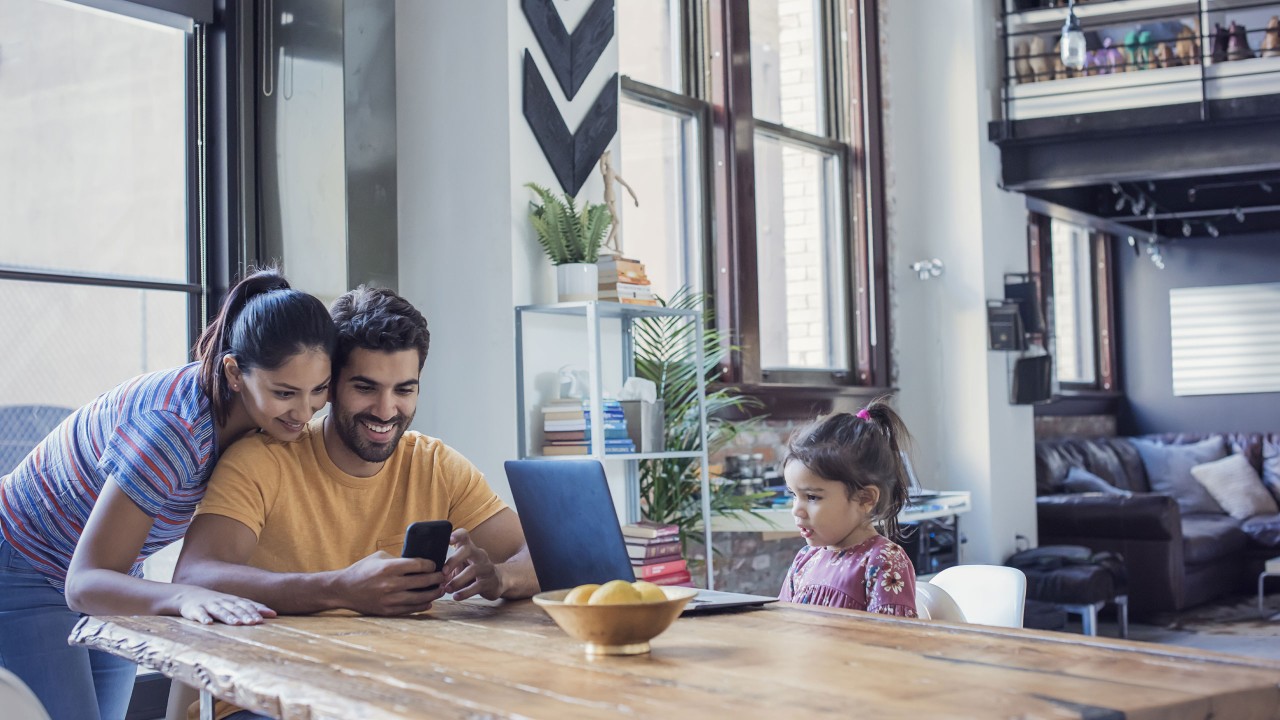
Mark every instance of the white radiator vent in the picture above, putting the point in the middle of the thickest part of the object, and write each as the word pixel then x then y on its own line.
pixel 1226 340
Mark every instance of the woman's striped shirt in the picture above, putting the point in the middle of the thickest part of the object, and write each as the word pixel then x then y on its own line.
pixel 153 435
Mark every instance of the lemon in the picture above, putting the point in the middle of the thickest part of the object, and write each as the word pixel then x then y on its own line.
pixel 649 592
pixel 580 595
pixel 615 592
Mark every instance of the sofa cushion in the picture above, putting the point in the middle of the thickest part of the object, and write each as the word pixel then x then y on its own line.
pixel 1271 467
pixel 1080 480
pixel 1169 471
pixel 1206 538
pixel 1263 529
pixel 1235 485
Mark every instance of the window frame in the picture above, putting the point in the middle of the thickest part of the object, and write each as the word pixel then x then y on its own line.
pixel 717 79
pixel 645 94
pixel 1040 256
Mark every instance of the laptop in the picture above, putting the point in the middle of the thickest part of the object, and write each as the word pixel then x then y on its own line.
pixel 573 533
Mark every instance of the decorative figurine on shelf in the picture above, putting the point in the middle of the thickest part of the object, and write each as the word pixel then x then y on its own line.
pixel 1271 40
pixel 613 243
pixel 573 383
pixel 1187 46
pixel 1238 44
pixel 1021 65
pixel 1038 59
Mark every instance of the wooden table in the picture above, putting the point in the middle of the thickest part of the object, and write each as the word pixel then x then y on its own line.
pixel 508 659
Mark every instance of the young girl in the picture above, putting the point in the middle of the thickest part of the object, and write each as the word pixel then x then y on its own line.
pixel 120 478
pixel 846 475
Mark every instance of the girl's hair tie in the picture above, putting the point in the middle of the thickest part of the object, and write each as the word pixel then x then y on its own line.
pixel 863 414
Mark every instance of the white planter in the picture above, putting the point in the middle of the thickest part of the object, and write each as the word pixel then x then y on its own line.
pixel 577 281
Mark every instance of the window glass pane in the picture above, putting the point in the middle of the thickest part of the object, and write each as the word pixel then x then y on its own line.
pixel 787 64
pixel 801 258
pixel 660 161
pixel 92 143
pixel 1073 303
pixel 78 341
pixel 649 42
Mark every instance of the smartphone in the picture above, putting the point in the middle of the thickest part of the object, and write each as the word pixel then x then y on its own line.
pixel 428 539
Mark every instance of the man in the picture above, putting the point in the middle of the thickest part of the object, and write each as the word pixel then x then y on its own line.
pixel 318 523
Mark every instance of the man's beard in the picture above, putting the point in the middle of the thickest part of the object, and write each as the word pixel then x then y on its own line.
pixel 348 427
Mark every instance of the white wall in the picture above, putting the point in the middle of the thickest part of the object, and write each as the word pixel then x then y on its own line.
pixel 467 253
pixel 940 70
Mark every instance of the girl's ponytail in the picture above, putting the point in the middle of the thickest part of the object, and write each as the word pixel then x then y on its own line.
pixel 882 414
pixel 215 341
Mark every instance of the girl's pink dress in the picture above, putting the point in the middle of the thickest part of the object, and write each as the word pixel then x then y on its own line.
pixel 875 575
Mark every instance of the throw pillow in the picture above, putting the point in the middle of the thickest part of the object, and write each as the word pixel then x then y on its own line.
pixel 1169 471
pixel 1080 480
pixel 1271 467
pixel 1234 483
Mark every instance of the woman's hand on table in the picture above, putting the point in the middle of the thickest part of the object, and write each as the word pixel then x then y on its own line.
pixel 206 606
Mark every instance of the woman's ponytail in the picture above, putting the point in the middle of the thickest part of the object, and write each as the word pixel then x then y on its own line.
pixel 215 342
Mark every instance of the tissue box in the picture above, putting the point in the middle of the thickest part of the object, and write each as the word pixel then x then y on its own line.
pixel 644 425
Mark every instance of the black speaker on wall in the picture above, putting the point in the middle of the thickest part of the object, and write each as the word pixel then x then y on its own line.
pixel 1032 380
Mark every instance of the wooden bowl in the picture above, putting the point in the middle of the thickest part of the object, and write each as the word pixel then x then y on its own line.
pixel 624 629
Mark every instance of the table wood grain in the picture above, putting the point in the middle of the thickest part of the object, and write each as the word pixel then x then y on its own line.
pixel 460 660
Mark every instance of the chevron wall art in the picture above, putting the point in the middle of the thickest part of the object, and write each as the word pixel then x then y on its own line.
pixel 572 154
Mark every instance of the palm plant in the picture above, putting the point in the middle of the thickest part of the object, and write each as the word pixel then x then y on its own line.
pixel 665 352
pixel 567 234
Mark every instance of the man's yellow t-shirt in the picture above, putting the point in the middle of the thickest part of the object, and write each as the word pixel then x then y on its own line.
pixel 310 516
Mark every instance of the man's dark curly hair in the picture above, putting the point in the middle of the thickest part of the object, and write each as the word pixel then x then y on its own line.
pixel 376 318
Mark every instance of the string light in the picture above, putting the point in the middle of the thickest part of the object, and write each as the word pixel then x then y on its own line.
pixel 1072 45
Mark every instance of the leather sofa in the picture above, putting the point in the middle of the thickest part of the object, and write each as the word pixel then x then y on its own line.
pixel 1173 561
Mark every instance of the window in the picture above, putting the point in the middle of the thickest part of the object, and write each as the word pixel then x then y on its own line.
pixel 1073 327
pixel 742 135
pixel 100 247
pixel 663 148
pixel 1075 289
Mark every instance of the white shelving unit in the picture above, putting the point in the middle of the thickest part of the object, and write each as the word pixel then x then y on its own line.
pixel 594 315
pixel 1152 87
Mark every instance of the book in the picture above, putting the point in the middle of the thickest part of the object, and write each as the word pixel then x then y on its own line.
pixel 680 578
pixel 585 449
pixel 651 552
pixel 650 529
pixel 652 570
pixel 550 435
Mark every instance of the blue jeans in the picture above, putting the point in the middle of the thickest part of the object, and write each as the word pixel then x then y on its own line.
pixel 73 682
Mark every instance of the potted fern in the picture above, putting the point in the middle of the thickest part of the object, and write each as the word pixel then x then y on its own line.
pixel 571 237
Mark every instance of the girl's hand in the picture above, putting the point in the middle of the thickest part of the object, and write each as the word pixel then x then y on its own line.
pixel 205 606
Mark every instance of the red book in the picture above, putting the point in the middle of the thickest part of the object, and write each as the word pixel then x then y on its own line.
pixel 680 578
pixel 652 570
pixel 658 560
pixel 652 552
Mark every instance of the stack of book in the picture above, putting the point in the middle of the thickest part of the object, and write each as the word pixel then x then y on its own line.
pixel 624 281
pixel 566 428
pixel 654 550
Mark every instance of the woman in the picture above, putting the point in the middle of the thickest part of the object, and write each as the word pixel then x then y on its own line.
pixel 120 478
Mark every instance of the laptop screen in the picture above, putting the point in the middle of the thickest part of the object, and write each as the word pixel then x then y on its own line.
pixel 569 522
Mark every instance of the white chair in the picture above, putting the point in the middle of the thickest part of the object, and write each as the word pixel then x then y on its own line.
pixel 934 603
pixel 986 594
pixel 17 700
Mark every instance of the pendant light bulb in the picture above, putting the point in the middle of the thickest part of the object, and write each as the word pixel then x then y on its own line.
pixel 1072 44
